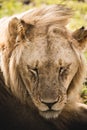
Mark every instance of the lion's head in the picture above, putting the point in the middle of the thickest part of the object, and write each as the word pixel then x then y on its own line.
pixel 40 60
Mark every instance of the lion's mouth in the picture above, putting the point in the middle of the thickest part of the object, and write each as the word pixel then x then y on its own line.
pixel 49 114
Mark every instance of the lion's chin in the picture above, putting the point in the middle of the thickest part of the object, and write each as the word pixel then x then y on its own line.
pixel 50 114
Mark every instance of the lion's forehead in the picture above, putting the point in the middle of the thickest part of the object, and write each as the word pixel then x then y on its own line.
pixel 56 52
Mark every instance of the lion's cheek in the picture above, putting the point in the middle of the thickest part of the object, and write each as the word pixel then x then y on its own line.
pixel 68 80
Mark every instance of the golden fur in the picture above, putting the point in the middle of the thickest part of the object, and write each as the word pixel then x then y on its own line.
pixel 42 63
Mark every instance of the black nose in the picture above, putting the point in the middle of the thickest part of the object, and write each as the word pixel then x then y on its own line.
pixel 49 104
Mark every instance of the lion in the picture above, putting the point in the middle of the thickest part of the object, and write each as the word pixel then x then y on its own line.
pixel 42 69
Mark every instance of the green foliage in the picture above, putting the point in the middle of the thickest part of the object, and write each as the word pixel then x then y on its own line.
pixel 10 7
pixel 48 2
pixel 84 94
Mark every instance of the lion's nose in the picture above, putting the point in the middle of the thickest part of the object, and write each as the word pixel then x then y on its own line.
pixel 49 103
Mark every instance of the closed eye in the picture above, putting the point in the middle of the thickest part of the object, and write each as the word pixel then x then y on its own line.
pixel 64 70
pixel 33 73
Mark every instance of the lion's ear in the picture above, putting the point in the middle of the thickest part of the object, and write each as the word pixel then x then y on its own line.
pixel 17 30
pixel 81 36
pixel 12 29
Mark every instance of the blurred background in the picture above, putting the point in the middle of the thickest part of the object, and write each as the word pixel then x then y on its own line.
pixel 10 7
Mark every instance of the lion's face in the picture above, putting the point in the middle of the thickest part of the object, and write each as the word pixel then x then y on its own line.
pixel 47 66
pixel 39 60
